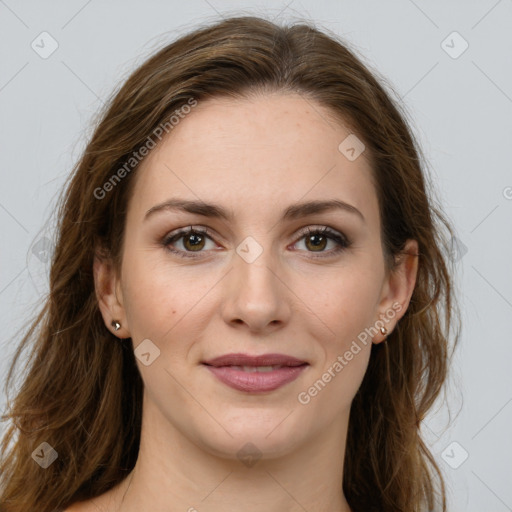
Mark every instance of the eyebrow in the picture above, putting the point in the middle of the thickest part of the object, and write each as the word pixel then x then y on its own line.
pixel 295 211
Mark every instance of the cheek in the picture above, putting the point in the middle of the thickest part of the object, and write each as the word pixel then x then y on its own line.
pixel 161 298
pixel 344 300
pixel 345 307
pixel 167 304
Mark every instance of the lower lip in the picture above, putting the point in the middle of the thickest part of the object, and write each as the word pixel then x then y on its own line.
pixel 256 381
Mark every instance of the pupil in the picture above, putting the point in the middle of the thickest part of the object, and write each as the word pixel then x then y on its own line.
pixel 318 244
pixel 196 239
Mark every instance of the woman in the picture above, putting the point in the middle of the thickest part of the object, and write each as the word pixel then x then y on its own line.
pixel 249 304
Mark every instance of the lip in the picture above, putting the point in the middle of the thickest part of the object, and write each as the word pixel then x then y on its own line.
pixel 227 369
pixel 248 360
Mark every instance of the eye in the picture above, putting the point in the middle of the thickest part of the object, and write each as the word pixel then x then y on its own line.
pixel 193 241
pixel 316 239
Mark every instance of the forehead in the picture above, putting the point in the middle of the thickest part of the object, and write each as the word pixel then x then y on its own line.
pixel 264 152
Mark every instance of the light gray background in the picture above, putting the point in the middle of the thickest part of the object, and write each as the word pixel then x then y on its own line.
pixel 462 113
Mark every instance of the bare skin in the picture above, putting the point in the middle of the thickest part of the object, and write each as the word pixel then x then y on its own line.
pixel 255 157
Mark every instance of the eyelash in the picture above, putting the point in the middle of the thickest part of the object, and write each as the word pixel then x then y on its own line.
pixel 342 241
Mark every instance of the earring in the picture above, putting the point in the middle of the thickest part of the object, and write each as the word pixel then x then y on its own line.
pixel 116 325
pixel 383 331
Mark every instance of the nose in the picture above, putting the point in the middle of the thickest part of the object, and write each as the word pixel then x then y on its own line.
pixel 256 294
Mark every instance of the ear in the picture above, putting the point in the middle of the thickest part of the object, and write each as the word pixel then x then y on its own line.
pixel 109 295
pixel 397 290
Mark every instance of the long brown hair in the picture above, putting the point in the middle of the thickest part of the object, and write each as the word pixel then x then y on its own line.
pixel 82 392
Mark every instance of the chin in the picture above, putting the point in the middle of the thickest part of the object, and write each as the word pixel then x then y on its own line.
pixel 255 439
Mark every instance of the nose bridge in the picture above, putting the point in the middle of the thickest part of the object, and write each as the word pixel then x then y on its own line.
pixel 255 265
pixel 257 295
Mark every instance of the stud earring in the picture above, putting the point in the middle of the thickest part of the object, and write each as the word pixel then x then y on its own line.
pixel 383 331
pixel 116 325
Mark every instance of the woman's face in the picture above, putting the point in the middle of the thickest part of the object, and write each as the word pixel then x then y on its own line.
pixel 257 283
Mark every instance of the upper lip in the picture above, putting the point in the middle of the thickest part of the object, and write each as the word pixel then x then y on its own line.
pixel 248 360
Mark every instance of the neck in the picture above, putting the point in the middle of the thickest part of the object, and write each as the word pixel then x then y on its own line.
pixel 173 473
